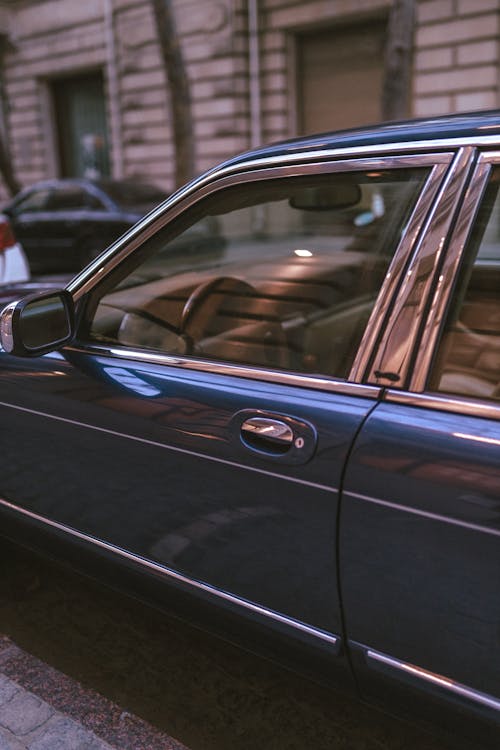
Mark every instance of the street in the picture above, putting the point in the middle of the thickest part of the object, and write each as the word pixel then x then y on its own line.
pixel 204 693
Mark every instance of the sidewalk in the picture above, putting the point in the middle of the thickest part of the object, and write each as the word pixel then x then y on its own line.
pixel 43 709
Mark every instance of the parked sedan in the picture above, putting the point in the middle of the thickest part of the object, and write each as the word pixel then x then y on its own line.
pixel 295 443
pixel 63 224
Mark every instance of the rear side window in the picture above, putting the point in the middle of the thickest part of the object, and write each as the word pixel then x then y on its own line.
pixel 281 274
pixel 468 358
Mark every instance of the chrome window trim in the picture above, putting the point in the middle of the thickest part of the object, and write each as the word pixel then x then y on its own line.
pixel 446 402
pixel 416 148
pixel 315 382
pixel 452 261
pixel 438 163
pixel 333 640
pixel 222 178
pixel 396 347
pixel 395 271
pixel 433 678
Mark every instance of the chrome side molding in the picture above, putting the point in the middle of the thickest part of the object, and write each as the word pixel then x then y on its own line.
pixel 334 641
pixel 375 658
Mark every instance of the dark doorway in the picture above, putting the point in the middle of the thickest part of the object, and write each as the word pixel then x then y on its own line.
pixel 80 112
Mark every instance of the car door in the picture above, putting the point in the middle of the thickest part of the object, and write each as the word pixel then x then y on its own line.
pixel 420 519
pixel 198 429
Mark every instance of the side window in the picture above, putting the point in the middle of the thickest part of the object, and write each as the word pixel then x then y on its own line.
pixel 468 357
pixel 67 198
pixel 34 201
pixel 279 274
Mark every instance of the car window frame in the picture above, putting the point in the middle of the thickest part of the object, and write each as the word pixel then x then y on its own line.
pixel 87 288
pixel 418 393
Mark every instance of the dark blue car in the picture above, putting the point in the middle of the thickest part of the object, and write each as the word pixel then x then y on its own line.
pixel 294 441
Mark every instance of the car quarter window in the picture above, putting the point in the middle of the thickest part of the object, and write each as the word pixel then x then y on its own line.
pixel 281 273
pixel 468 356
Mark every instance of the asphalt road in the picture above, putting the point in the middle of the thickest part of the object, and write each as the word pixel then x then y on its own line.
pixel 205 693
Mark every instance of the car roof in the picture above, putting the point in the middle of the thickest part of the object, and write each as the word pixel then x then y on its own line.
pixel 458 126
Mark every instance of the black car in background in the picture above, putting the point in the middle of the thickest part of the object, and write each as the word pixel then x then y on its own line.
pixel 63 224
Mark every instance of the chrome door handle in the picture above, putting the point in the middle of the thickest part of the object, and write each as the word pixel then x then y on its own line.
pixel 268 430
pixel 273 437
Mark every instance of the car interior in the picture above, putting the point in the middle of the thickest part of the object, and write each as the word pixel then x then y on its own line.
pixel 291 285
pixel 468 361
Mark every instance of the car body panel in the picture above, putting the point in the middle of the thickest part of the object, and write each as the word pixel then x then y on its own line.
pixel 419 536
pixel 376 540
pixel 141 427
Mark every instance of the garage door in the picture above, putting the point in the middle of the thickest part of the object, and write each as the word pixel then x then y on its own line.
pixel 339 74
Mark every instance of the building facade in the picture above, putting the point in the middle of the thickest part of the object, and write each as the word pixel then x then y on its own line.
pixel 83 90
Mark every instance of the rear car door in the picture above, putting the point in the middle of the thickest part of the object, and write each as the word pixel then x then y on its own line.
pixel 198 430
pixel 420 521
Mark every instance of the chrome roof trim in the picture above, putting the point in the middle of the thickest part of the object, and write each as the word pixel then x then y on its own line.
pixel 451 263
pixel 316 382
pixel 393 277
pixel 438 680
pixel 394 354
pixel 451 403
pixel 225 177
pixel 334 640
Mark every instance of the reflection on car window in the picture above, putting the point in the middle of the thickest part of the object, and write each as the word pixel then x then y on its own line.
pixel 281 274
pixel 468 358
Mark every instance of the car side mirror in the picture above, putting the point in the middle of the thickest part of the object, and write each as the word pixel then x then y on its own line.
pixel 37 324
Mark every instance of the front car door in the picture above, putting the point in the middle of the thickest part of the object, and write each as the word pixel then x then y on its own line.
pixel 198 430
pixel 420 521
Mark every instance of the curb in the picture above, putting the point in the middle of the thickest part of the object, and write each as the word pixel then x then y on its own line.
pixel 44 709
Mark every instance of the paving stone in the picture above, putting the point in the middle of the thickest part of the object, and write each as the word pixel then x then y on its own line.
pixel 61 733
pixel 9 742
pixel 24 713
pixel 7 690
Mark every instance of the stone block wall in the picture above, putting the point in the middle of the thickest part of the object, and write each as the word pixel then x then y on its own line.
pixel 457 59
pixel 456 68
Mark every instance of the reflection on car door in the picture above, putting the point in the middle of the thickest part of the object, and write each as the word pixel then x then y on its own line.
pixel 419 551
pixel 145 459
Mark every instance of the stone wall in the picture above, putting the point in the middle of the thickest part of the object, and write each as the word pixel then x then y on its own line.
pixel 455 68
pixel 457 56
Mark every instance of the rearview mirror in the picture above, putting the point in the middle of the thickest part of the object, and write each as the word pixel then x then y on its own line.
pixel 327 197
pixel 37 324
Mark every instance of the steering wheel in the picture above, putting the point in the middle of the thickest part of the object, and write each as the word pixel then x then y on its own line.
pixel 214 312
pixel 206 301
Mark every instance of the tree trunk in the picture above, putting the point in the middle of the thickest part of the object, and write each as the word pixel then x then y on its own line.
pixel 179 94
pixel 6 167
pixel 398 60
